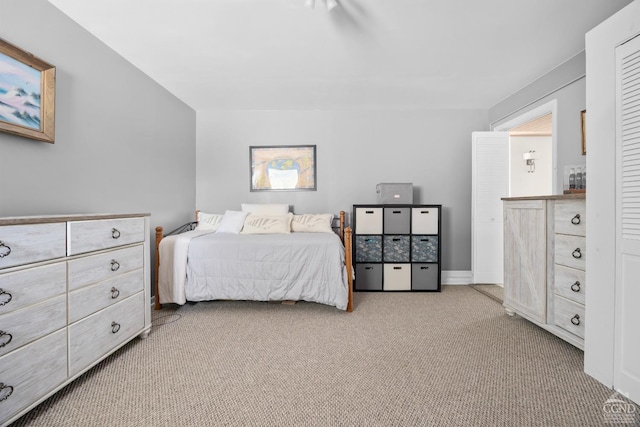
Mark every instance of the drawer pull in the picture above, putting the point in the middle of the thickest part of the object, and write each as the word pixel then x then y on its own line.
pixel 115 293
pixel 115 233
pixel 424 212
pixel 397 212
pixel 115 327
pixel 369 212
pixel 115 265
pixel 576 253
pixel 4 250
pixel 575 220
pixel 576 286
pixel 4 341
pixel 5 297
pixel 396 239
pixel 368 268
pixel 424 268
pixel 5 391
pixel 424 240
pixel 397 268
pixel 576 319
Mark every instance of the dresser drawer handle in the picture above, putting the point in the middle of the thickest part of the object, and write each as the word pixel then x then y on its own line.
pixel 397 212
pixel 5 391
pixel 575 220
pixel 5 297
pixel 115 327
pixel 576 286
pixel 115 265
pixel 396 239
pixel 576 253
pixel 369 212
pixel 397 268
pixel 115 293
pixel 575 320
pixel 4 250
pixel 115 233
pixel 4 341
pixel 424 268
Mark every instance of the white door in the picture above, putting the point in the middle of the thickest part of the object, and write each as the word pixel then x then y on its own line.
pixel 490 182
pixel 626 369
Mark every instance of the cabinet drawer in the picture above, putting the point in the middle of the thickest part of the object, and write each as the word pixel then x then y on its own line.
pixel 89 299
pixel 424 277
pixel 23 326
pixel 25 244
pixel 95 268
pixel 368 248
pixel 424 248
pixel 368 220
pixel 570 283
pixel 397 277
pixel 87 236
pixel 369 277
pixel 570 217
pixel 570 251
pixel 396 249
pixel 569 316
pixel 95 336
pixel 31 372
pixel 397 220
pixel 424 220
pixel 31 286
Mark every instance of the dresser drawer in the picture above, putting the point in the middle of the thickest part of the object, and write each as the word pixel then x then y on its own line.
pixel 31 372
pixel 20 327
pixel 25 287
pixel 368 248
pixel 25 244
pixel 87 236
pixel 569 316
pixel 95 336
pixel 570 283
pixel 89 299
pixel 397 220
pixel 397 277
pixel 368 221
pixel 424 220
pixel 570 251
pixel 396 249
pixel 570 217
pixel 424 248
pixel 95 268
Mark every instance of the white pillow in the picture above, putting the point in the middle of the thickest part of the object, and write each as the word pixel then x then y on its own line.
pixel 267 224
pixel 232 222
pixel 207 221
pixel 312 223
pixel 265 208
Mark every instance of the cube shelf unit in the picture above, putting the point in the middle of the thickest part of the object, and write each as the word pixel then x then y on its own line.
pixel 397 247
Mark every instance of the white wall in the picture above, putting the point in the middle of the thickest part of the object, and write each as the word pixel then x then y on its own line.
pixel 522 181
pixel 356 149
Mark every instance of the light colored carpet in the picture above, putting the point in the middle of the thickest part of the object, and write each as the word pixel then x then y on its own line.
pixel 400 359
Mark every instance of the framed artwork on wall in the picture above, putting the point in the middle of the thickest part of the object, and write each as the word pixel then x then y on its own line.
pixel 282 167
pixel 27 94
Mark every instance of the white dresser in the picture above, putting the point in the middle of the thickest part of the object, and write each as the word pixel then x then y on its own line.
pixel 544 265
pixel 73 289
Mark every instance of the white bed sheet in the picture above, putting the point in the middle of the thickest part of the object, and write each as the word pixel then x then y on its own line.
pixel 272 267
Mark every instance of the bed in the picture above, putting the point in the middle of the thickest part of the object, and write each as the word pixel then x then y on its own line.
pixel 258 259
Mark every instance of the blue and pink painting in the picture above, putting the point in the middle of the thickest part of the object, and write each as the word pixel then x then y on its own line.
pixel 19 93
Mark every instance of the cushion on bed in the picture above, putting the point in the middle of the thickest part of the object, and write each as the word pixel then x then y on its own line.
pixel 267 224
pixel 232 222
pixel 265 208
pixel 312 223
pixel 207 221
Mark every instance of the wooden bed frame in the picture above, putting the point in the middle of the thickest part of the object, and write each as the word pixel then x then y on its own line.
pixel 344 233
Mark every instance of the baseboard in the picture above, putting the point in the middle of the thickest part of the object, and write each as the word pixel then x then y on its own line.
pixel 456 277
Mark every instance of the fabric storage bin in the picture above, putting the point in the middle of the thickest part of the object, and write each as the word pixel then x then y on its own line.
pixel 424 248
pixel 368 248
pixel 424 277
pixel 368 221
pixel 394 193
pixel 396 249
pixel 368 277
pixel 397 277
pixel 424 220
pixel 397 220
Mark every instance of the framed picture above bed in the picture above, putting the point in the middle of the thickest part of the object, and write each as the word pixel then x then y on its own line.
pixel 282 167
pixel 27 94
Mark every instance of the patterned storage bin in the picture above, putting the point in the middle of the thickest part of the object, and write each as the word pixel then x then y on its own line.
pixel 396 249
pixel 424 248
pixel 368 248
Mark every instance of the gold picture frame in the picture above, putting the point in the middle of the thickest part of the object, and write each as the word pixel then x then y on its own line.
pixel 583 122
pixel 27 94
pixel 282 167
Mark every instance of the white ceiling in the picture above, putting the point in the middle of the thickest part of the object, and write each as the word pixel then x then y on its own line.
pixel 280 54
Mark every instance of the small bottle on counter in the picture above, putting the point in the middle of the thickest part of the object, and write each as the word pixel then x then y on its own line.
pixel 584 178
pixel 572 179
pixel 579 178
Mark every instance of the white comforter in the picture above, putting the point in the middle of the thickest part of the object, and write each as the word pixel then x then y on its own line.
pixel 202 266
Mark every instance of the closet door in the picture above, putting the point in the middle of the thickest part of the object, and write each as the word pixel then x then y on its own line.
pixel 627 287
pixel 490 182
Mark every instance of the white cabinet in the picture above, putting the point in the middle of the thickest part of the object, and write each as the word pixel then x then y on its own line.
pixel 73 289
pixel 544 263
